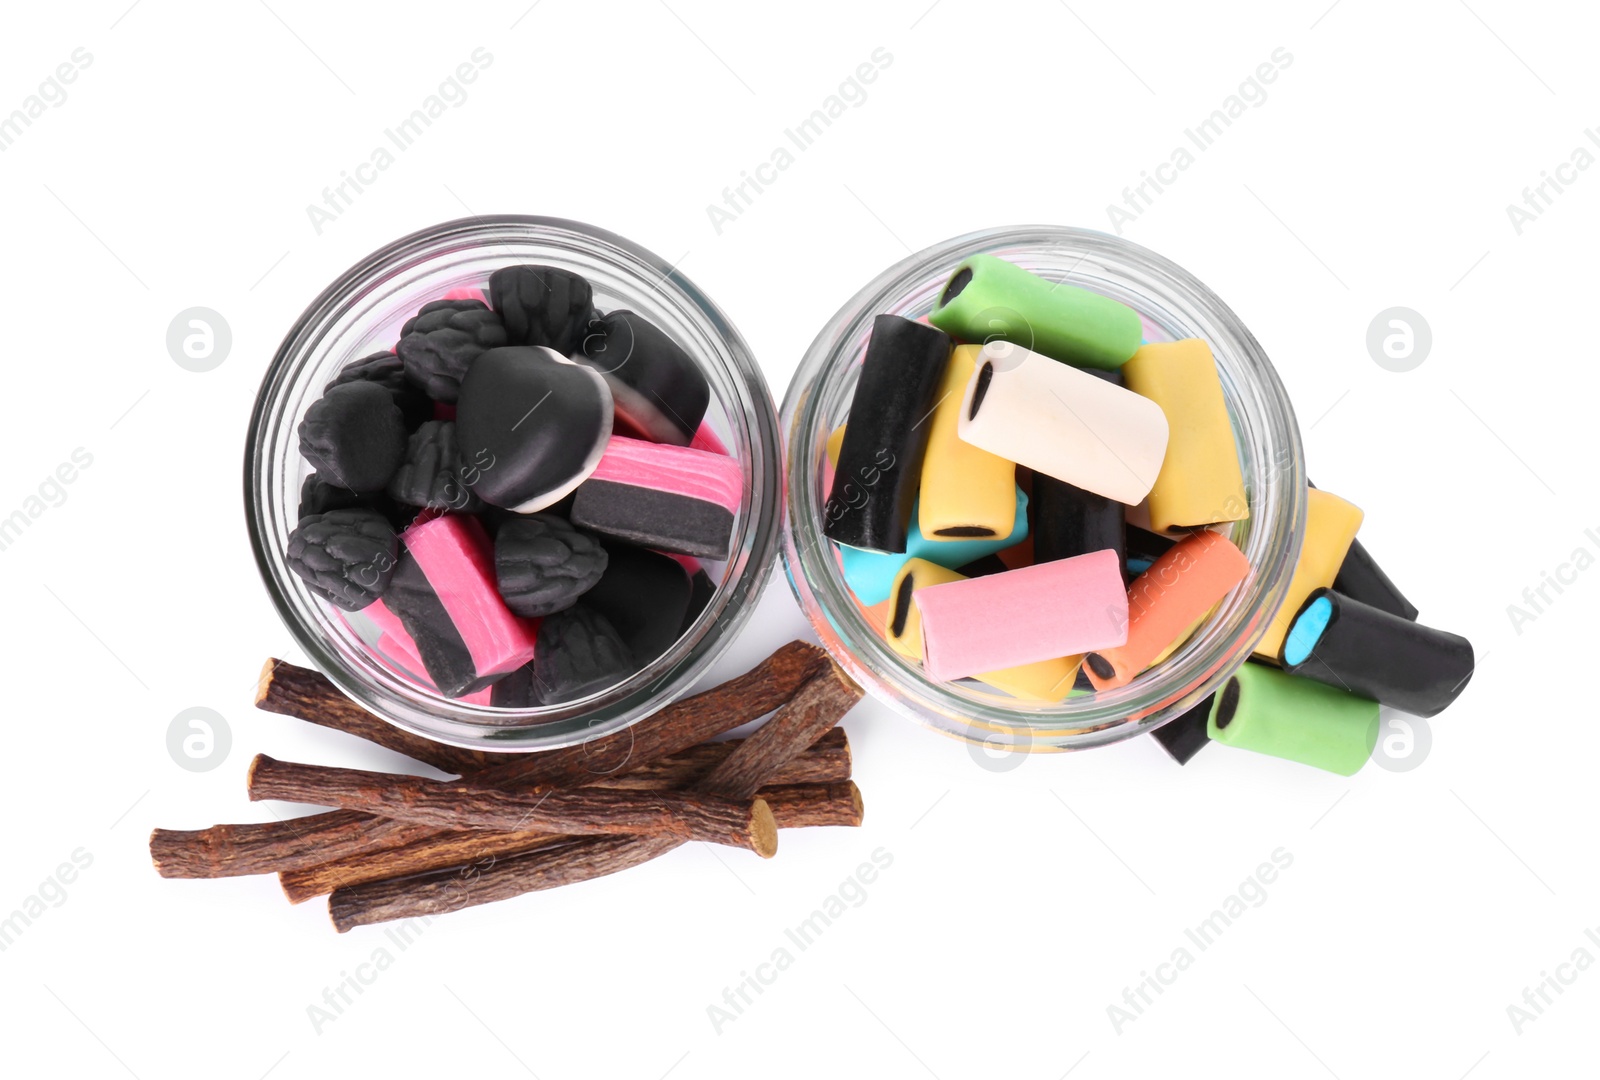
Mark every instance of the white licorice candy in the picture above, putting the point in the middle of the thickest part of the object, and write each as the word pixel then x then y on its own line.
pixel 1061 421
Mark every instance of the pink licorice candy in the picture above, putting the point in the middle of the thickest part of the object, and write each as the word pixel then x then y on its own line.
pixel 675 499
pixel 457 558
pixel 1039 612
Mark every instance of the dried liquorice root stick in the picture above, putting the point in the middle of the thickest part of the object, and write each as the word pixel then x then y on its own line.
pixel 270 846
pixel 682 815
pixel 794 806
pixel 307 695
pixel 818 706
pixel 339 837
pixel 674 729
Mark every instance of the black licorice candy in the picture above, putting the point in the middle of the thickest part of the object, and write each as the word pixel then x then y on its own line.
pixel 542 305
pixel 880 460
pixel 579 653
pixel 1185 736
pixel 645 595
pixel 1371 652
pixel 658 388
pixel 530 426
pixel 1069 521
pixel 1361 578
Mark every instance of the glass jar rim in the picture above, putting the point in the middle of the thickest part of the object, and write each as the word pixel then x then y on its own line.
pixel 525 238
pixel 1202 664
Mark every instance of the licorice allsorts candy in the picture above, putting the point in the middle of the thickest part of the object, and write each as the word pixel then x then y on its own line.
pixel 1166 600
pixel 988 298
pixel 444 593
pixel 1185 736
pixel 355 436
pixel 1361 578
pixel 1272 712
pixel 871 573
pixel 347 557
pixel 1039 612
pixel 1047 680
pixel 875 483
pixel 439 345
pixel 398 651
pixel 1200 482
pixel 672 498
pixel 645 595
pixel 1331 525
pixel 1368 651
pixel 542 305
pixel 965 492
pixel 660 392
pixel 1062 422
pixel 389 371
pixel 531 426
pixel 579 653
pixel 431 474
pixel 542 564
pixel 1068 521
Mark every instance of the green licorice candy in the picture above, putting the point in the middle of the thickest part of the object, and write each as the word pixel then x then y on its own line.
pixel 989 299
pixel 1272 712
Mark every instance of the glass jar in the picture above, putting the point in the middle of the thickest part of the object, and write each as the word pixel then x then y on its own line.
pixel 1172 304
pixel 361 313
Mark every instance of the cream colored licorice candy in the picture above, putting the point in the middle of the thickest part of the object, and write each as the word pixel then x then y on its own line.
pixel 1063 422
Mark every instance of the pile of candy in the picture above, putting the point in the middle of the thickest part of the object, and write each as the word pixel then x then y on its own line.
pixel 471 498
pixel 1044 513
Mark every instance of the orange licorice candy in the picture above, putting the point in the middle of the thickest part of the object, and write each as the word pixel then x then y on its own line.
pixel 1180 587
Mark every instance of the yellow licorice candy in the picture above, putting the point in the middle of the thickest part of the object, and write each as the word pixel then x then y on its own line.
pixel 1331 525
pixel 835 440
pixel 966 492
pixel 1200 482
pixel 1045 680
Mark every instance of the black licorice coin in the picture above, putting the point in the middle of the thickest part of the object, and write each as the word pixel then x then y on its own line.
pixel 880 460
pixel 542 564
pixel 347 557
pixel 431 474
pixel 389 371
pixel 439 345
pixel 658 389
pixel 645 595
pixel 542 305
pixel 579 653
pixel 531 426
pixel 355 436
pixel 1185 736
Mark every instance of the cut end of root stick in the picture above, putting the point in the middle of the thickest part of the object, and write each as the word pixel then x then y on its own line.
pixel 763 829
pixel 264 680
pixel 257 762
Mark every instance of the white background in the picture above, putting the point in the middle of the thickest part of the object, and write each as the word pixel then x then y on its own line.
pixel 1020 903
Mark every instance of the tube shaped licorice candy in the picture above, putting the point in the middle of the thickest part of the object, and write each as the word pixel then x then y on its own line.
pixel 988 298
pixel 1039 612
pixel 1063 422
pixel 966 492
pixel 1360 578
pixel 1331 525
pixel 1046 680
pixel 672 498
pixel 1144 547
pixel 875 482
pixel 1272 712
pixel 1200 481
pixel 1068 521
pixel 870 573
pixel 1164 602
pixel 1185 736
pixel 1368 651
